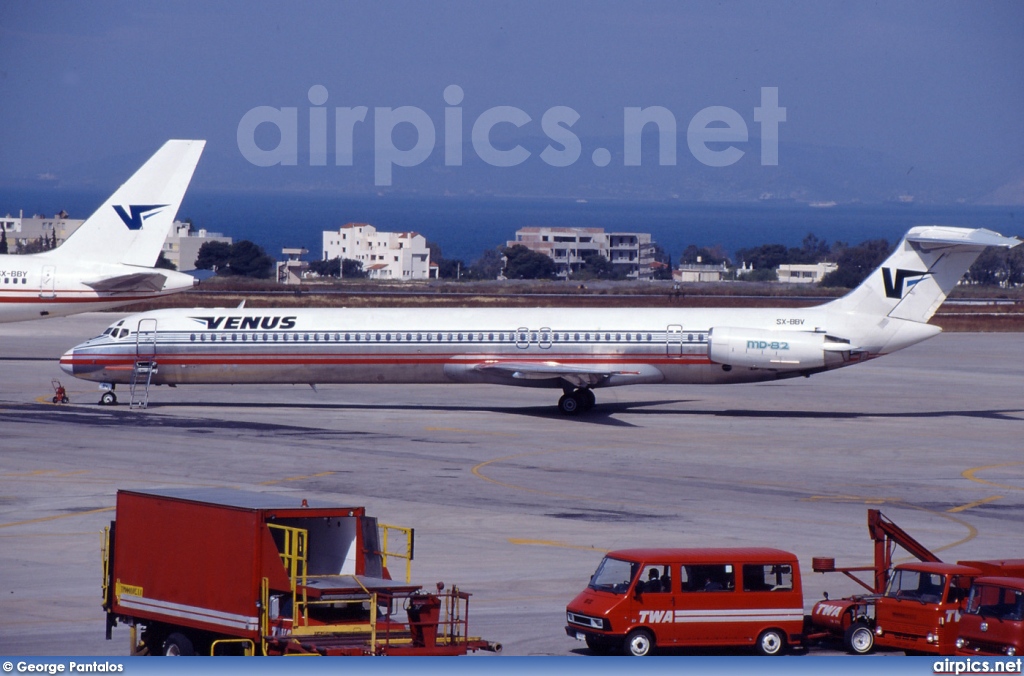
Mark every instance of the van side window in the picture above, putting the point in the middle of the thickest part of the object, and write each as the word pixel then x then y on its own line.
pixel 655 579
pixel 709 577
pixel 767 577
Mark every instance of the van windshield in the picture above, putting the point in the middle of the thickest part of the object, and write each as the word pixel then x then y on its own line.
pixel 614 575
pixel 998 602
pixel 918 585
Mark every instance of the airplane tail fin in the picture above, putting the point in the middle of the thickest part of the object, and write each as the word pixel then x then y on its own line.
pixel 131 226
pixel 914 281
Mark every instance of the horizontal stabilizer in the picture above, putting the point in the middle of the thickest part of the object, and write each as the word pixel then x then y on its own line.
pixel 135 282
pixel 938 235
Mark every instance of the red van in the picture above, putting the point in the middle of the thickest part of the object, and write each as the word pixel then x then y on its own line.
pixel 993 620
pixel 642 598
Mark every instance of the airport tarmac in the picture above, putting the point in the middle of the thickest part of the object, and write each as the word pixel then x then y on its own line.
pixel 510 500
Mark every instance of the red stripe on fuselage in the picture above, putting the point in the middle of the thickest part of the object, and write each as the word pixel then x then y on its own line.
pixel 376 359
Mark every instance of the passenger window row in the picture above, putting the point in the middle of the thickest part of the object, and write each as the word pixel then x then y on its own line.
pixel 420 337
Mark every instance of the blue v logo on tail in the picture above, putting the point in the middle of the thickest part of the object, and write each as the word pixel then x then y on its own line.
pixel 894 289
pixel 139 212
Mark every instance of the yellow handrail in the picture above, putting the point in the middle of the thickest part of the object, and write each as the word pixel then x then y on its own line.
pixel 294 556
pixel 105 554
pixel 407 554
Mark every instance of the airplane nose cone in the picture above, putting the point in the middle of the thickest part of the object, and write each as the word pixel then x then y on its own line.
pixel 67 362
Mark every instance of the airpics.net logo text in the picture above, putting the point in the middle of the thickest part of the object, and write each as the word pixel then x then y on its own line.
pixel 714 135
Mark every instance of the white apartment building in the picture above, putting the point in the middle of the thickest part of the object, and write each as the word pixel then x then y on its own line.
pixel 385 255
pixel 183 243
pixel 804 274
pixel 21 230
pixel 699 272
pixel 630 252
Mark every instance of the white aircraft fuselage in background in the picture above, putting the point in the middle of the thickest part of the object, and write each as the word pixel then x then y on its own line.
pixel 575 350
pixel 109 260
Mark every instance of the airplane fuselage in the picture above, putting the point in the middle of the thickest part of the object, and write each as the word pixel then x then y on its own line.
pixel 35 286
pixel 600 348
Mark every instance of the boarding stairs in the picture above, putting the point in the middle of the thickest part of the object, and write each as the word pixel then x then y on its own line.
pixel 144 366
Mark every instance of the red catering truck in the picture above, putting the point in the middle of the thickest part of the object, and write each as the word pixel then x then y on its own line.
pixel 914 607
pixel 993 620
pixel 639 599
pixel 222 571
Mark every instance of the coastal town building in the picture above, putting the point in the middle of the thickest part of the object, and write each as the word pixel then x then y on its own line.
pixel 401 256
pixel 183 243
pixel 632 253
pixel 292 269
pixel 804 274
pixel 21 230
pixel 699 272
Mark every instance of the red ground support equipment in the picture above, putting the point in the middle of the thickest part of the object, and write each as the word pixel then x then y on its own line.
pixel 227 572
pixel 914 607
pixel 60 395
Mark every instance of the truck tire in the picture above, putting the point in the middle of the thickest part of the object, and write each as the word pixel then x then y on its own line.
pixel 859 639
pixel 639 643
pixel 178 645
pixel 771 642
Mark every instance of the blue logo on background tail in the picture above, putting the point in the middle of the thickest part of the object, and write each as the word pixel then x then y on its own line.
pixel 139 213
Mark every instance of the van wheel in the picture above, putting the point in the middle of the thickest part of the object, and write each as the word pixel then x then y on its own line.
pixel 178 645
pixel 859 639
pixel 639 643
pixel 771 642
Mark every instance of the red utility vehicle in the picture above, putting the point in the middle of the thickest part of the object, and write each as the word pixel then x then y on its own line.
pixel 220 571
pixel 993 620
pixel 914 607
pixel 642 598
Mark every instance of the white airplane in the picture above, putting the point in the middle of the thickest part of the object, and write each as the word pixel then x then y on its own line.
pixel 109 260
pixel 575 350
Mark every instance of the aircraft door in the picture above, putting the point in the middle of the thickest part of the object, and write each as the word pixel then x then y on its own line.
pixel 48 282
pixel 674 340
pixel 145 340
pixel 522 338
pixel 544 339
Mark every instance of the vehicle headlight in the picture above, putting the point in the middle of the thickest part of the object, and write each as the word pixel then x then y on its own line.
pixel 878 630
pixel 960 643
pixel 1011 651
pixel 930 638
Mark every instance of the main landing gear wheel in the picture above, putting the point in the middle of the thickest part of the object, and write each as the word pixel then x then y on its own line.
pixel 108 399
pixel 571 403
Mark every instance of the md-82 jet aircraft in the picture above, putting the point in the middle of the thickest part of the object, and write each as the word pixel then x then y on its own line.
pixel 108 261
pixel 572 349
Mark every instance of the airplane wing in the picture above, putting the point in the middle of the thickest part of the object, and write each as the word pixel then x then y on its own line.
pixel 579 376
pixel 134 283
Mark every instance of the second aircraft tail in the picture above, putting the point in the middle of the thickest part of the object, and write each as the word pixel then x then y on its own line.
pixel 131 226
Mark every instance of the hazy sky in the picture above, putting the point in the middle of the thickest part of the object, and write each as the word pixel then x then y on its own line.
pixel 939 85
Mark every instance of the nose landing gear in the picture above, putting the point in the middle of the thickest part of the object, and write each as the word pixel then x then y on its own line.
pixel 575 401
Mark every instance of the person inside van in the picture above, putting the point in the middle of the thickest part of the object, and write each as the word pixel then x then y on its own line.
pixel 656 582
pixel 713 585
